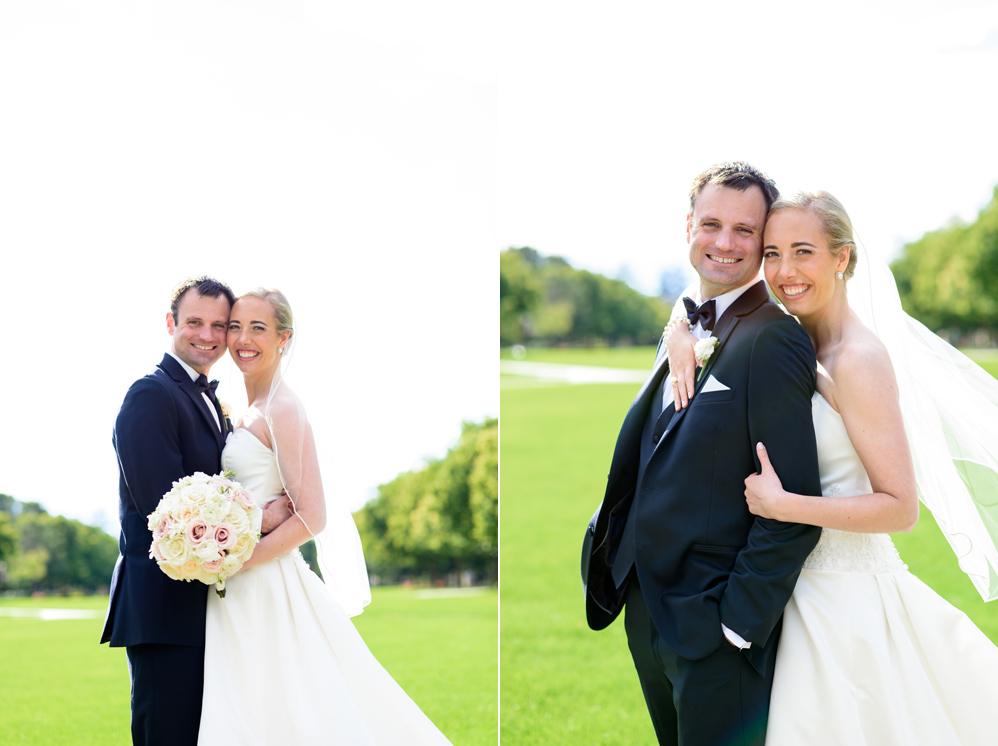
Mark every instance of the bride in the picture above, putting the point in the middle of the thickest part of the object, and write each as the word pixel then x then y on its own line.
pixel 868 653
pixel 283 661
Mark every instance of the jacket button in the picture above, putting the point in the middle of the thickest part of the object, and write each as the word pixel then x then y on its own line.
pixel 654 438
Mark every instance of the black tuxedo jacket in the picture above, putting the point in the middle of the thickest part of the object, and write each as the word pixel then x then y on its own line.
pixel 164 432
pixel 701 557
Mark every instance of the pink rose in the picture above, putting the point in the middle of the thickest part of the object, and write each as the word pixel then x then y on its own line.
pixel 165 524
pixel 225 536
pixel 197 532
pixel 245 499
pixel 214 566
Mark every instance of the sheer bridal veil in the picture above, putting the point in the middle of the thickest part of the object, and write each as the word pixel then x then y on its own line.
pixel 950 409
pixel 340 554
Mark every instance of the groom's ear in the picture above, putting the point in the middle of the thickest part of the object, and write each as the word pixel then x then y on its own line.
pixel 170 322
pixel 689 226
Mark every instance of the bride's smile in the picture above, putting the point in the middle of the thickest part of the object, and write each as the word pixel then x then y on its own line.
pixel 800 267
pixel 253 339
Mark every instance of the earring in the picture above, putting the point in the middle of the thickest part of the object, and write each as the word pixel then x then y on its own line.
pixel 280 350
pixel 839 276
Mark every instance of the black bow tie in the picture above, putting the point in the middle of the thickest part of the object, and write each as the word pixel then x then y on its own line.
pixel 704 313
pixel 206 387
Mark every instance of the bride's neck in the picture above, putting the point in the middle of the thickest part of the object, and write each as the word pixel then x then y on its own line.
pixel 827 325
pixel 258 387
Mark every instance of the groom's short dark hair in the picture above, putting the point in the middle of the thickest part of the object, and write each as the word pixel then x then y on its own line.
pixel 737 175
pixel 205 286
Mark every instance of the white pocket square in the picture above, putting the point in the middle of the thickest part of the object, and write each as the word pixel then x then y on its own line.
pixel 713 385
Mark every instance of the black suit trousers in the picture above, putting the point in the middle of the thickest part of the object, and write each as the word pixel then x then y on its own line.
pixel 719 700
pixel 167 685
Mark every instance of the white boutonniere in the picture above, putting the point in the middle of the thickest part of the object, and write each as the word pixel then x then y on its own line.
pixel 702 350
pixel 226 409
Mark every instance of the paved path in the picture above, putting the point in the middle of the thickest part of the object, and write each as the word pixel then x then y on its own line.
pixel 574 374
pixel 48 615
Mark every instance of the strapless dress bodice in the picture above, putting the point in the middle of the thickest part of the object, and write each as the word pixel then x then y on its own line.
pixel 254 464
pixel 842 474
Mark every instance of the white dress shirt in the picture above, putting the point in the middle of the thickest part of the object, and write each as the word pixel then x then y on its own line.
pixel 721 304
pixel 194 376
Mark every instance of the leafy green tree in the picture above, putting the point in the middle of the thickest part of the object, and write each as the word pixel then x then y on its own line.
pixel 8 538
pixel 440 519
pixel 46 552
pixel 519 296
pixel 545 298
pixel 946 279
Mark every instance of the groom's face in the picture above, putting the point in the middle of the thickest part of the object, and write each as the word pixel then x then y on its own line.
pixel 725 236
pixel 199 329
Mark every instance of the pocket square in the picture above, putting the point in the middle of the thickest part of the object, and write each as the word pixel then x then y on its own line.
pixel 713 385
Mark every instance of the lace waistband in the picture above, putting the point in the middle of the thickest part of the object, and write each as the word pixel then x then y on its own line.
pixel 844 551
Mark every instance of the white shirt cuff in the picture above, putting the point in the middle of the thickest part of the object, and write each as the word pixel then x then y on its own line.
pixel 735 639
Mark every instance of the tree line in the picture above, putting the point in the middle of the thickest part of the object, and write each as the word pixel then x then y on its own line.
pixel 51 553
pixel 545 299
pixel 946 279
pixel 441 522
pixel 438 523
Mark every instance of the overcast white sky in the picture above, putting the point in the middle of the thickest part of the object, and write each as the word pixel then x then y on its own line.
pixel 359 156
pixel 344 156
pixel 608 111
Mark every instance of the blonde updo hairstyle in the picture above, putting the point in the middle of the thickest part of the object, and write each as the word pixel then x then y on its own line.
pixel 284 320
pixel 836 226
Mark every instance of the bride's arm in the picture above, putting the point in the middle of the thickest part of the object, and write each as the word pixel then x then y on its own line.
pixel 679 341
pixel 867 399
pixel 299 464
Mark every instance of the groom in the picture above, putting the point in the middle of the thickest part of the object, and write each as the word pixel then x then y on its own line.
pixel 170 425
pixel 704 581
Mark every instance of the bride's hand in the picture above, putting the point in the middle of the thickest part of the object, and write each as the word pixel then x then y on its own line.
pixel 764 492
pixel 682 363
pixel 276 512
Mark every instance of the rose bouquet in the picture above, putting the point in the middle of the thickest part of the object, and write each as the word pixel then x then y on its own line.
pixel 204 529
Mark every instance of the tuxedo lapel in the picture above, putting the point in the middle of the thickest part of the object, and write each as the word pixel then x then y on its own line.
pixel 746 303
pixel 223 422
pixel 179 375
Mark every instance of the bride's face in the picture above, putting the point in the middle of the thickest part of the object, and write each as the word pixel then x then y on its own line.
pixel 800 268
pixel 253 340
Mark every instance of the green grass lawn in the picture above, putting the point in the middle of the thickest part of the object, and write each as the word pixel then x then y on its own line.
pixel 58 686
pixel 561 682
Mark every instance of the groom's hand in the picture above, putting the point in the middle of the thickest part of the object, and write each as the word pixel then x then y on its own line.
pixel 275 513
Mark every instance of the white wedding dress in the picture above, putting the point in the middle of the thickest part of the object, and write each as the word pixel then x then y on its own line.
pixel 869 654
pixel 283 662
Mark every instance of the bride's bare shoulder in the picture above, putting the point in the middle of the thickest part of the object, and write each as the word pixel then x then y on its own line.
pixel 285 411
pixel 862 365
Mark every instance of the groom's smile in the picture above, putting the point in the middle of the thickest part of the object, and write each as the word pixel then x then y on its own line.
pixel 199 329
pixel 725 236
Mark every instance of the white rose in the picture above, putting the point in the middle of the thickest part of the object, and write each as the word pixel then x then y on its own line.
pixel 216 508
pixel 194 494
pixel 239 520
pixel 171 572
pixel 175 550
pixel 703 349
pixel 255 518
pixel 208 550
